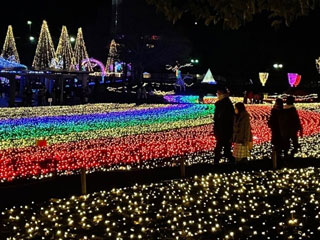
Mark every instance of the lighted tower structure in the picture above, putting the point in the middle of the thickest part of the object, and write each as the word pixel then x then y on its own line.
pixel 116 23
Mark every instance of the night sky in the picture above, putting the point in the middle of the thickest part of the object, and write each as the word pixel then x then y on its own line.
pixel 231 53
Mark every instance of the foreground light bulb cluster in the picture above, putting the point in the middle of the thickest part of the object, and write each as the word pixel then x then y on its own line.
pixel 104 137
pixel 239 205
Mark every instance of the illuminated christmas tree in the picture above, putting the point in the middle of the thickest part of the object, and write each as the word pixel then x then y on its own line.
pixel 64 50
pixel 113 57
pixel 80 50
pixel 9 50
pixel 45 49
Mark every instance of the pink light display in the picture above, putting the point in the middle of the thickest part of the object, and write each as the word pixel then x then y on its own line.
pixel 95 62
pixel 294 79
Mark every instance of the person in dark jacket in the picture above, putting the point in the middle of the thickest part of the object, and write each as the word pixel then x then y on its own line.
pixel 242 136
pixel 273 123
pixel 223 125
pixel 290 125
pixel 245 97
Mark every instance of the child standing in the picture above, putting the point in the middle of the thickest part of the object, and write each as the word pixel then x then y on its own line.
pixel 242 136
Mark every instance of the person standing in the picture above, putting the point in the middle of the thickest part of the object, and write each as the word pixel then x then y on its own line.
pixel 223 125
pixel 290 125
pixel 139 93
pixel 144 95
pixel 242 136
pixel 245 97
pixel 273 124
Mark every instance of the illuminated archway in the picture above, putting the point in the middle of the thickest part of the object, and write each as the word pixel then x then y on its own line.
pixel 94 63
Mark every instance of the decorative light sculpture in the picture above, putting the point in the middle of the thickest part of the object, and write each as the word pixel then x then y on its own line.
pixel 91 63
pixel 8 65
pixel 177 70
pixel 65 50
pixel 113 56
pixel 9 47
pixel 208 78
pixel 263 76
pixel 45 49
pixel 318 64
pixel 292 77
pixel 298 80
pixel 318 67
pixel 80 50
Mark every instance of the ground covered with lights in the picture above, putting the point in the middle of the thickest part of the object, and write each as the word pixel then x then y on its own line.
pixel 282 204
pixel 103 137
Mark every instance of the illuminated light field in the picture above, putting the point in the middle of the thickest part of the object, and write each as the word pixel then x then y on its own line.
pixel 195 99
pixel 282 204
pixel 106 137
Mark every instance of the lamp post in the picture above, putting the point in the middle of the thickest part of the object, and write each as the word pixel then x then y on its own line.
pixel 196 61
pixel 277 66
pixel 278 85
pixel 29 23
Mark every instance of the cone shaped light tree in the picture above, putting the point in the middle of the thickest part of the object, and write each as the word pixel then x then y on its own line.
pixel 9 47
pixel 208 78
pixel 113 56
pixel 80 50
pixel 45 49
pixel 64 50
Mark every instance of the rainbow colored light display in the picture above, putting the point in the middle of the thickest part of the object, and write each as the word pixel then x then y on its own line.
pixel 194 99
pixel 110 135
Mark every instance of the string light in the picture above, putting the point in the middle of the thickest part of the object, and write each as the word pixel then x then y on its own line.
pixel 45 49
pixel 113 57
pixel 9 47
pixel 260 205
pixel 80 50
pixel 6 66
pixel 64 50
pixel 104 137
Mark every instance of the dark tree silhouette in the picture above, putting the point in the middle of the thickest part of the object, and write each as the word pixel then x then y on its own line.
pixel 235 13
